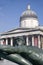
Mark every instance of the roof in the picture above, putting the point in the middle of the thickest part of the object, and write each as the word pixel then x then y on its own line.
pixel 17 30
pixel 28 13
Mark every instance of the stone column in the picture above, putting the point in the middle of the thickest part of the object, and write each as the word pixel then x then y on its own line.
pixel 32 40
pixel 1 42
pixel 39 42
pixel 27 42
pixel 11 41
pixel 7 41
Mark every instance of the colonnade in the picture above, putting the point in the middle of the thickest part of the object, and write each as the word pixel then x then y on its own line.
pixel 27 41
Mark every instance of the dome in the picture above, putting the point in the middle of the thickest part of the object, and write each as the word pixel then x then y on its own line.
pixel 28 13
pixel 29 19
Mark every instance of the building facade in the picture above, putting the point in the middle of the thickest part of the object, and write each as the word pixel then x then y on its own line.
pixel 29 32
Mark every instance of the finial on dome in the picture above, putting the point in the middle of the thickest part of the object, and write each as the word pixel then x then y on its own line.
pixel 28 7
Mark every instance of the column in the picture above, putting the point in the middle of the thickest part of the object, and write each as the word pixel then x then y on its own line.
pixel 11 41
pixel 27 43
pixel 7 41
pixel 32 40
pixel 1 42
pixel 39 42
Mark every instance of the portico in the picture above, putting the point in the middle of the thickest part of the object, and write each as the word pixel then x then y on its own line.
pixel 30 39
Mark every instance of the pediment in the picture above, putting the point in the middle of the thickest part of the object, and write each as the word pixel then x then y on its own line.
pixel 17 30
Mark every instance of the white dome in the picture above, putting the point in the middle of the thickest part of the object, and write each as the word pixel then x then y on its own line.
pixel 28 14
pixel 29 19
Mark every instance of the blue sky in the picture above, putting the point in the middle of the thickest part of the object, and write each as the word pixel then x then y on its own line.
pixel 10 11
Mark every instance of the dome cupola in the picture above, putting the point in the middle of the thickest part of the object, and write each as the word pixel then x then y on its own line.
pixel 29 18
